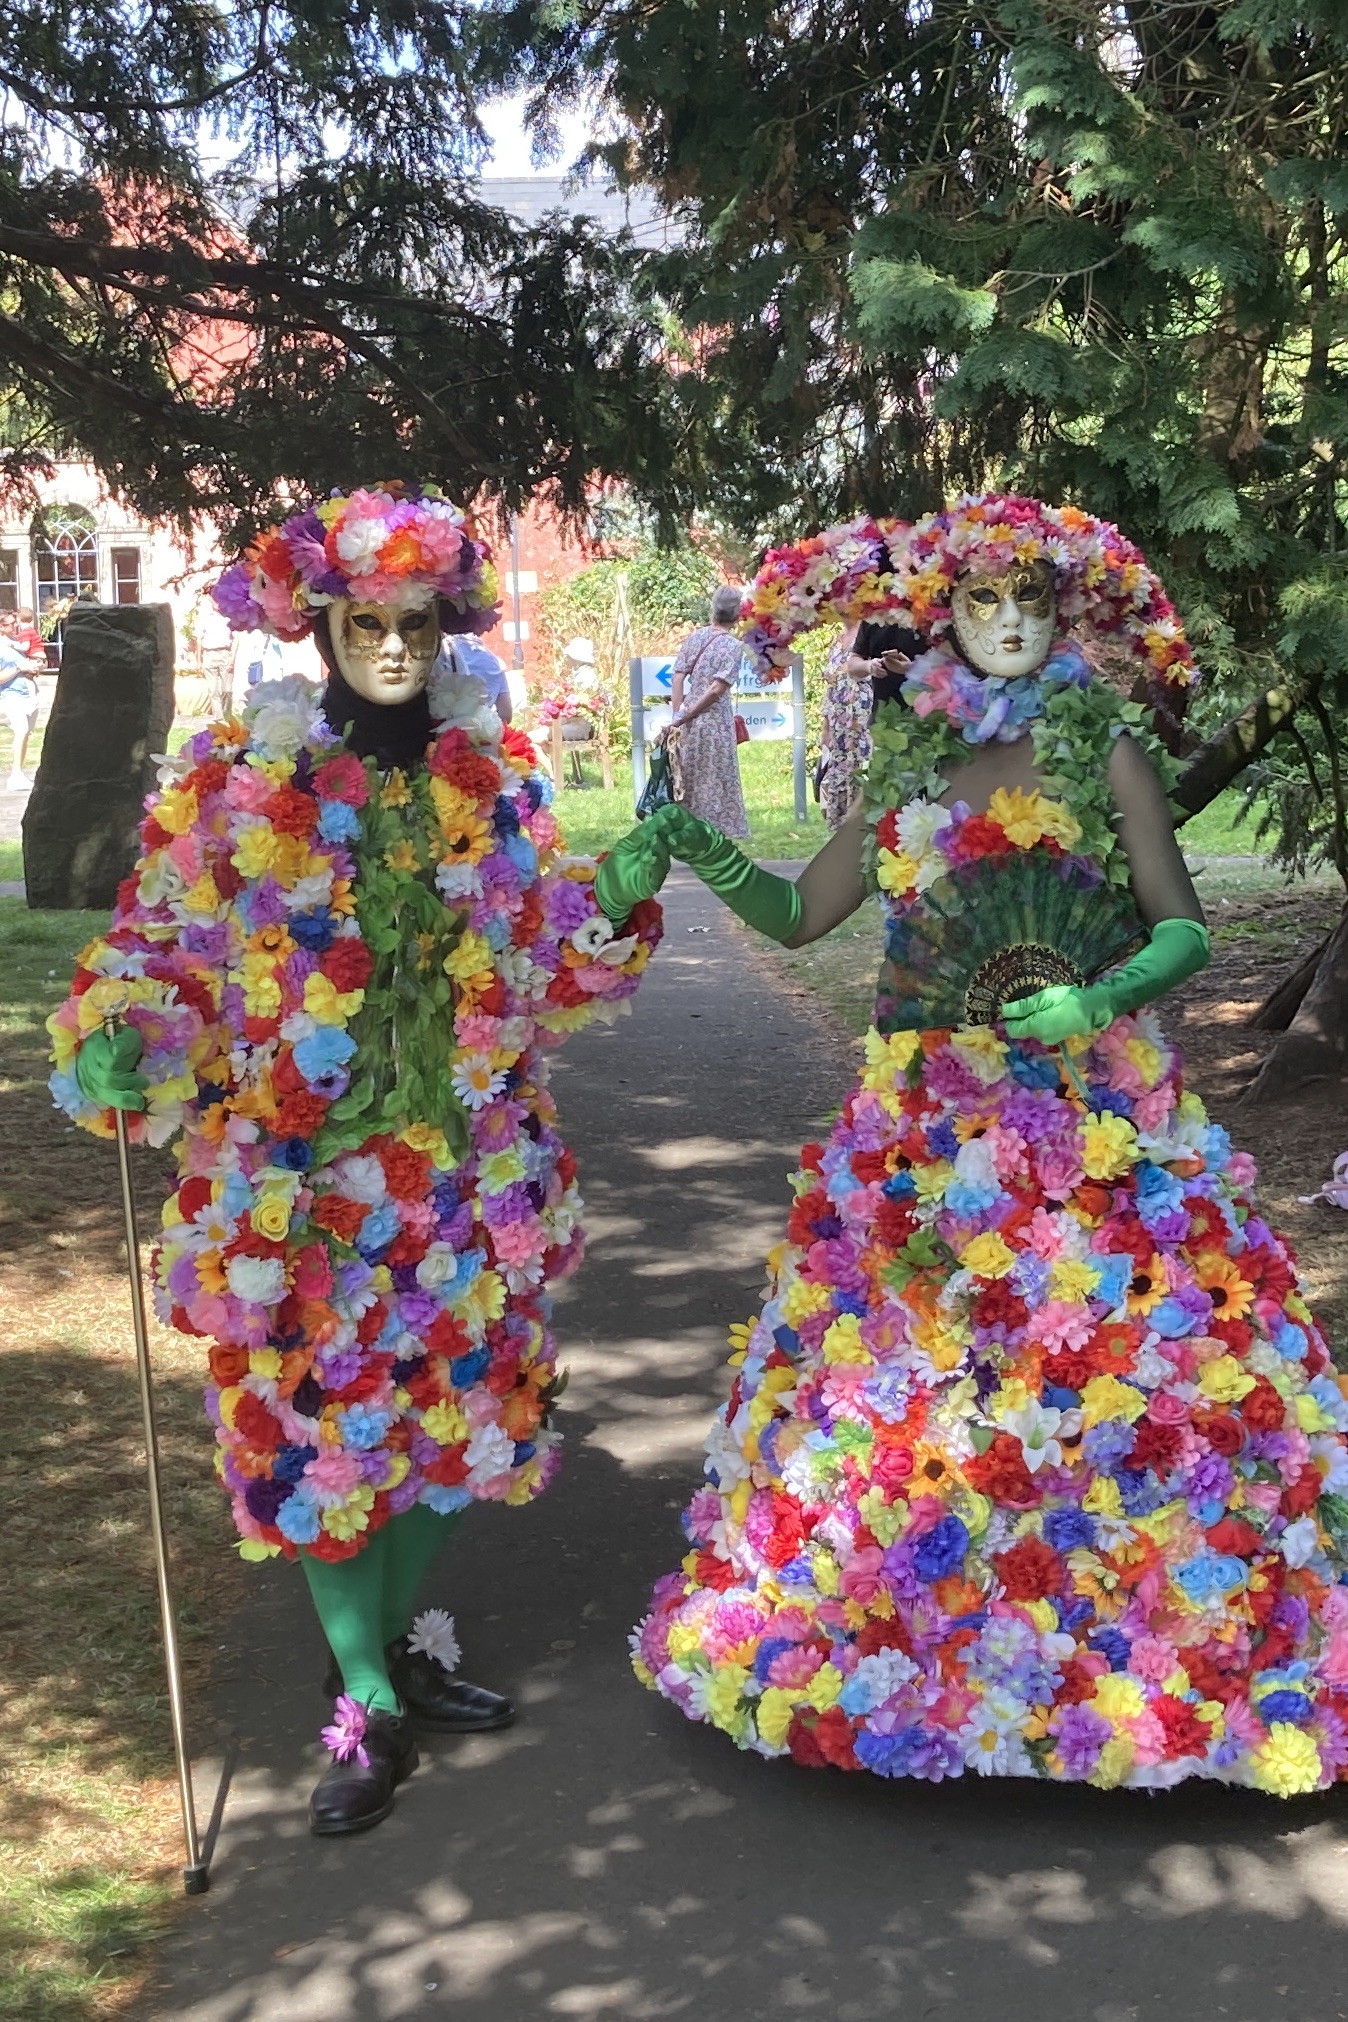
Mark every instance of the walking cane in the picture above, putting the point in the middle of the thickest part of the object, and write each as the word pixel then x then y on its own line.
pixel 196 1874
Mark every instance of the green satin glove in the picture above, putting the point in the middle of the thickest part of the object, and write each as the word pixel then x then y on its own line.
pixel 633 870
pixel 1177 949
pixel 106 1069
pixel 758 897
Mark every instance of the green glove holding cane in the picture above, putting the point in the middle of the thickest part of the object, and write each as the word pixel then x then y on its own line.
pixel 105 1068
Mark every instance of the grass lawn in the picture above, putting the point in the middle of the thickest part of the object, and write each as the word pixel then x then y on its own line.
pixel 593 820
pixel 89 1845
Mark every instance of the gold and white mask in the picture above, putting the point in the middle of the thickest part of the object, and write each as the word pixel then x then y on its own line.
pixel 1004 624
pixel 385 651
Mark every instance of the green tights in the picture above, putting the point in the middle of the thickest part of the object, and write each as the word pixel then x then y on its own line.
pixel 366 1602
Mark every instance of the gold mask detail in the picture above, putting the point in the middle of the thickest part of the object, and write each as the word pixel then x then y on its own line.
pixel 386 650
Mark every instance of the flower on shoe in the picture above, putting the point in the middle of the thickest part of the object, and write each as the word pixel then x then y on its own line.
pixel 346 1735
pixel 433 1635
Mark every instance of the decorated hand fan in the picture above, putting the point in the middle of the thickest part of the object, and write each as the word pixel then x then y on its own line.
pixel 997 929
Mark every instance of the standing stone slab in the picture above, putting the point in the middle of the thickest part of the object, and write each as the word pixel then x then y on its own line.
pixel 113 709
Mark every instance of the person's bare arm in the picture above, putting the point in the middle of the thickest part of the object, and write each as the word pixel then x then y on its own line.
pixel 831 886
pixel 713 692
pixel 1162 887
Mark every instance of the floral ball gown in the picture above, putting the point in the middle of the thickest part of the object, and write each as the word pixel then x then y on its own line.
pixel 1033 1462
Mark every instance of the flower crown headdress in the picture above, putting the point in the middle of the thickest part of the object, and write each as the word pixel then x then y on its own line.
pixel 907 570
pixel 370 544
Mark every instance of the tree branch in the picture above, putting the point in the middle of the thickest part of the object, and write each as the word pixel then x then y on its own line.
pixel 1226 754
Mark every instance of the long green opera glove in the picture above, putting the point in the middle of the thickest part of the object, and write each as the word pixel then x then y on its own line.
pixel 634 869
pixel 415 1540
pixel 106 1069
pixel 758 897
pixel 1177 948
pixel 348 1598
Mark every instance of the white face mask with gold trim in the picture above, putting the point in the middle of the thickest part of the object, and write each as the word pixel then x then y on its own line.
pixel 385 651
pixel 1005 624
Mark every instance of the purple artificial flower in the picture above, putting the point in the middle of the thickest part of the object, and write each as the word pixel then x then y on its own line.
pixel 1080 1735
pixel 346 1736
pixel 340 1366
pixel 567 905
pixel 417 1310
pixel 209 943
pixel 266 904
pixel 232 597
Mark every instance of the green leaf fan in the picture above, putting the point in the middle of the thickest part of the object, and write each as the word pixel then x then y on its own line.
pixel 997 929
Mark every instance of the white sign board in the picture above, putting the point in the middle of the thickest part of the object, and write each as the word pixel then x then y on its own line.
pixel 766 709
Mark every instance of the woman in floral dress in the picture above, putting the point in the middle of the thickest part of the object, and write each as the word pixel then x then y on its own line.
pixel 1033 1462
pixel 846 732
pixel 703 694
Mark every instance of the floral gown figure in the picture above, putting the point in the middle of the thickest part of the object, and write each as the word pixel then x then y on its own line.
pixel 1033 1462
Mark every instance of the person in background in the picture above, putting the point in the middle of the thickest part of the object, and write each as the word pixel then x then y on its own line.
pixel 846 730
pixel 27 637
pixel 465 653
pixel 882 654
pixel 257 658
pixel 705 669
pixel 216 644
pixel 19 699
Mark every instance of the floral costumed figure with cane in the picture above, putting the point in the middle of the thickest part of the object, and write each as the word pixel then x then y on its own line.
pixel 352 939
pixel 1033 1462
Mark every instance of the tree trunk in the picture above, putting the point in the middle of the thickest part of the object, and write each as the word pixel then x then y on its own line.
pixel 1281 1005
pixel 1314 1047
pixel 1225 755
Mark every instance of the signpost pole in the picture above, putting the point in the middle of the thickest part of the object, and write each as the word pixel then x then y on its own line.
pixel 798 733
pixel 636 685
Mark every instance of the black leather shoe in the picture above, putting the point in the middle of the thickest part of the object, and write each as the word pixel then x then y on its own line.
pixel 436 1699
pixel 352 1796
pixel 432 1696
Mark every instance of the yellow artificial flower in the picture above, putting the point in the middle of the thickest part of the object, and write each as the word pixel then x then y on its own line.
pixel 685 1640
pixel 1232 1295
pixel 988 1256
pixel 1114 1764
pixel 445 1424
pixel 1288 1763
pixel 402 855
pixel 470 960
pixel 773 1714
pixel 932 1180
pixel 202 898
pixel 888 1055
pixel 982 1052
pixel 842 1341
pixel 801 1299
pixel 452 805
pixel 723 1695
pixel 271 1218
pixel 1225 1380
pixel 255 851
pixel 498 1170
pixel 1108 1397
pixel 740 1331
pixel 395 791
pixel 482 1302
pixel 1108 1146
pixel 346 1520
pixel 1146 1058
pixel 326 1004
pixel 1073 1280
pixel 1102 1498
pixel 895 870
pixel 176 809
pixel 885 1520
pixel 1059 823
pixel 1118 1696
pixel 428 1138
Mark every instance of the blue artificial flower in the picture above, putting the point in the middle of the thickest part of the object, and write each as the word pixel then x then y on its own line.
pixel 1106 1444
pixel 522 854
pixel 900 1186
pixel 315 930
pixel 444 1501
pixel 787 1340
pixel 1290 1342
pixel 296 1154
pixel 236 1195
pixel 289 1462
pixel 363 1426
pixel 378 1229
pixel 1209 1576
pixel 1216 1147
pixel 466 1370
pixel 1293 1706
pixel 525 1449
pixel 1114 1645
pixel 941 1139
pixel 1115 1276
pixel 941 1552
pixel 850 1302
pixel 1060 1399
pixel 1331 1401
pixel 497 932
pixel 505 818
pixel 1069 1530
pixel 887 1754
pixel 326 1050
pixel 338 823
pixel 964 1199
pixel 297 1519
pixel 1034 1070
pixel 1172 1320
pixel 1159 1193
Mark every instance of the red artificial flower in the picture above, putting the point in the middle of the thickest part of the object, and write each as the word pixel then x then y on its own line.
pixel 456 758
pixel 997 1305
pixel 364 1385
pixel 449 1467
pixel 1235 1536
pixel 894 1224
pixel 709 1571
pixel 1185 1733
pixel 344 779
pixel 1207 1227
pixel 228 882
pixel 1304 1493
pixel 517 745
pixel 371 1323
pixel 1262 1408
pixel 291 811
pixel 1030 1571
pixel 787 1533
pixel 812 1158
pixel 447 1336
pixel 1223 1433
pixel 300 1114
pixel 426 1387
pixel 153 837
pixel 1156 1446
pixel 982 837
pixel 1001 1474
pixel 342 1216
pixel 887 830
pixel 208 777
pixel 257 1031
pixel 228 1365
pixel 1078 1683
pixel 1236 1335
pixel 255 1424
pixel 193 1195
pixel 407 1247
pixel 347 963
pixel 805 1210
pixel 833 1736
pixel 407 1173
pixel 128 891
pixel 868 1166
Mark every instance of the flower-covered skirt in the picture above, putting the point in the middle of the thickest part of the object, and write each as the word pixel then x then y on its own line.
pixel 1033 1462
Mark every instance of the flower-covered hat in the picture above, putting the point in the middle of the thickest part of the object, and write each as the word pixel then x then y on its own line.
pixel 873 568
pixel 367 544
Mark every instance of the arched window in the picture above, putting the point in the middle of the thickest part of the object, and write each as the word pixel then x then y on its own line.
pixel 65 555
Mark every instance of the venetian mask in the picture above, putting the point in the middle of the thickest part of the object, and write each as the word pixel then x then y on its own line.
pixel 1005 624
pixel 385 651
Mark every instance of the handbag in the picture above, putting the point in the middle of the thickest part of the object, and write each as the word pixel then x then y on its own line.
pixel 741 729
pixel 659 788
